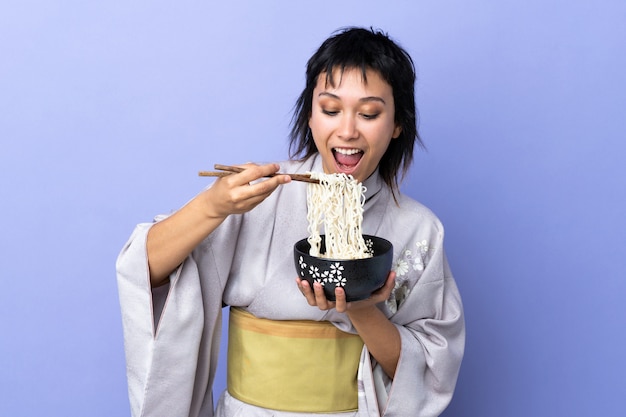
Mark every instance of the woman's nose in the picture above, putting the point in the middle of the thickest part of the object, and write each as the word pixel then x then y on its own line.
pixel 347 128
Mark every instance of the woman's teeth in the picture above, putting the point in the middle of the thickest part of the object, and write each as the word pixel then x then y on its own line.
pixel 347 151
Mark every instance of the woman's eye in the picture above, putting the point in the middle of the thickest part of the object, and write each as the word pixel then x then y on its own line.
pixel 369 116
pixel 330 112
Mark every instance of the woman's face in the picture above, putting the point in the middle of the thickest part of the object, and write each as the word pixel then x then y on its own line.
pixel 352 123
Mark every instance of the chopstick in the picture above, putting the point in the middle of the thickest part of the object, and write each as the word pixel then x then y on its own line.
pixel 224 170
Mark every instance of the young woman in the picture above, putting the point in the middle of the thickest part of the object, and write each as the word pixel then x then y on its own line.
pixel 291 351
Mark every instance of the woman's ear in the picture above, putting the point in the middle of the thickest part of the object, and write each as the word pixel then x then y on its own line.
pixel 396 132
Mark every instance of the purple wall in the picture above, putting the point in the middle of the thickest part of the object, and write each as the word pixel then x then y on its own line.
pixel 108 110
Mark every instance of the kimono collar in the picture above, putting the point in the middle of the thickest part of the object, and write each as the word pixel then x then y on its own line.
pixel 373 184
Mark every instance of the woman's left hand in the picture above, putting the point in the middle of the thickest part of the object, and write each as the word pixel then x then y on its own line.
pixel 315 296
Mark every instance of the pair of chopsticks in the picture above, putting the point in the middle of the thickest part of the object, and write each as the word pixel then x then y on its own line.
pixel 224 170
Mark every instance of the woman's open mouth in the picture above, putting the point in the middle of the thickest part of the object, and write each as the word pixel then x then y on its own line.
pixel 347 159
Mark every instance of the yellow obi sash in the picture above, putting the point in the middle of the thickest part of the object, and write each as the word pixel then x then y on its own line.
pixel 292 365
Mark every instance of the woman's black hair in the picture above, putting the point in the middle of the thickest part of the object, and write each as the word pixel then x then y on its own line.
pixel 363 49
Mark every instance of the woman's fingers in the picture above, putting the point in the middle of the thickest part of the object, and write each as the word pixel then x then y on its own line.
pixel 320 298
pixel 314 296
pixel 340 300
pixel 241 192
pixel 306 290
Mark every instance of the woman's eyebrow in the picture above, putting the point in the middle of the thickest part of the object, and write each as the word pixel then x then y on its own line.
pixel 372 98
pixel 364 99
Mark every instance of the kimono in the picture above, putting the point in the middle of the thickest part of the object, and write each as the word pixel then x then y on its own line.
pixel 172 333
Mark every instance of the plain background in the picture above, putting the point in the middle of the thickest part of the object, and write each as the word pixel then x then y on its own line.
pixel 109 109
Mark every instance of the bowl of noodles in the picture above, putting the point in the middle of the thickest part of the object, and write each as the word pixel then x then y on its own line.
pixel 342 256
pixel 359 277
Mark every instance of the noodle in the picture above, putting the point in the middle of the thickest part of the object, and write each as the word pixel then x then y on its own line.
pixel 336 203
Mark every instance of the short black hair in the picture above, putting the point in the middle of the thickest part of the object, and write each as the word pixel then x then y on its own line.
pixel 363 49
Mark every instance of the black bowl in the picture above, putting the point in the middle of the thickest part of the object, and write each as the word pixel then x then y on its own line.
pixel 358 277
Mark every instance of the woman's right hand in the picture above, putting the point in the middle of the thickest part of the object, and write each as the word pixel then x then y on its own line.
pixel 171 240
pixel 241 192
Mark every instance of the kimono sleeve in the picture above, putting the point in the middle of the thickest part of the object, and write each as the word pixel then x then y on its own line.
pixel 171 334
pixel 431 323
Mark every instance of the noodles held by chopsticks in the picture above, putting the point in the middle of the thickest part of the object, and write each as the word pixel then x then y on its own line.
pixel 336 203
